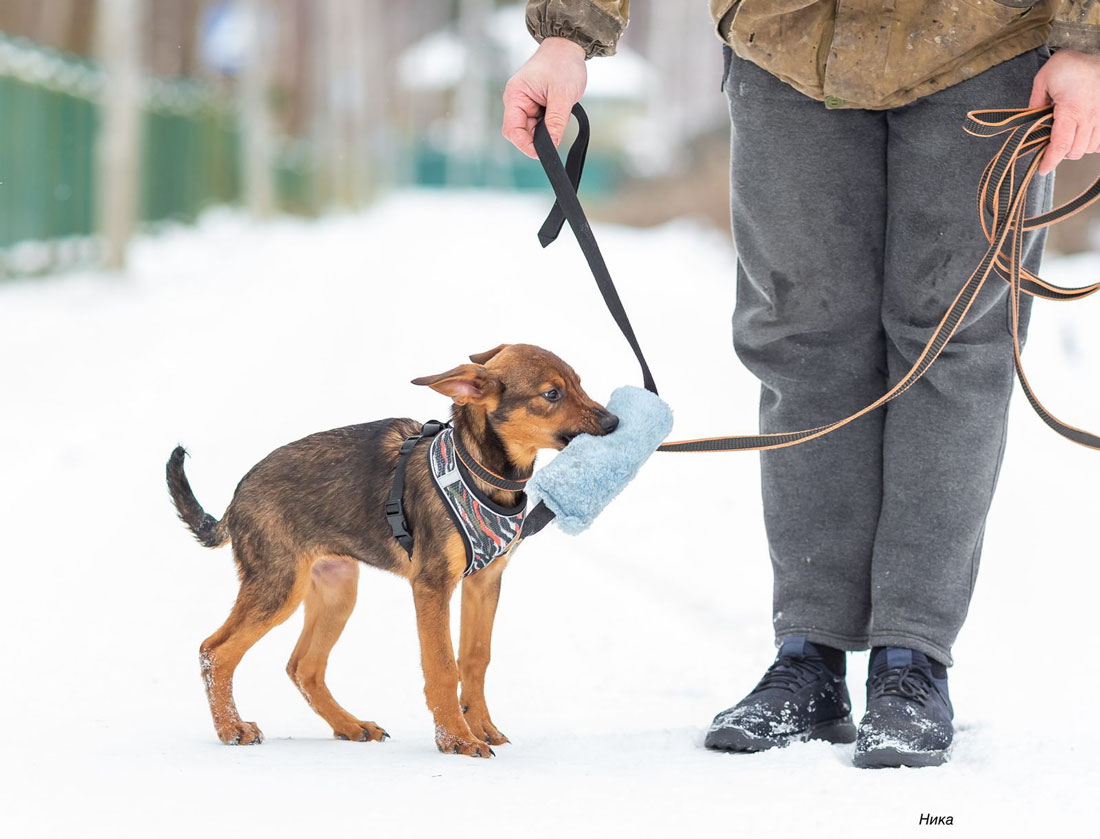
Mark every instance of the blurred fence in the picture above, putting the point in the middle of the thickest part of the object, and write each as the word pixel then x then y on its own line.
pixel 190 156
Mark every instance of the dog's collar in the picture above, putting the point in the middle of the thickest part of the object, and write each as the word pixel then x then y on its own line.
pixel 491 478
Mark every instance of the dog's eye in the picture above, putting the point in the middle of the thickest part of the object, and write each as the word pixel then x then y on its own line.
pixel 552 395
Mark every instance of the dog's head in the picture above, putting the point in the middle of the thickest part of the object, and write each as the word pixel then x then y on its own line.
pixel 531 398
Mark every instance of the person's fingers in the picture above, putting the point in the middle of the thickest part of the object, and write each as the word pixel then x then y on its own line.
pixel 520 111
pixel 1039 95
pixel 558 109
pixel 1062 136
pixel 1094 143
pixel 1081 140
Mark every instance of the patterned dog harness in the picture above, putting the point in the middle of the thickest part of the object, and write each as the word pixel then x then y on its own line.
pixel 488 529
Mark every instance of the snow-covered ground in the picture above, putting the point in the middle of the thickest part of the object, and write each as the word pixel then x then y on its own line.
pixel 612 650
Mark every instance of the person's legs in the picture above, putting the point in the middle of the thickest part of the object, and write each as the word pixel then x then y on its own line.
pixel 944 438
pixel 808 199
pixel 808 202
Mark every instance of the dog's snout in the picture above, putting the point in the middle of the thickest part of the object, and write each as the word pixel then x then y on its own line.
pixel 608 423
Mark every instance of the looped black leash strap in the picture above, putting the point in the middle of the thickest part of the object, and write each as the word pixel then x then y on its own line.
pixel 395 504
pixel 1002 205
pixel 567 207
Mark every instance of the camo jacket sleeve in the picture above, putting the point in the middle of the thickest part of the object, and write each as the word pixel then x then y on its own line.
pixel 1077 26
pixel 593 24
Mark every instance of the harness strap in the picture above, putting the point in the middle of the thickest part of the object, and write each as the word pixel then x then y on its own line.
pixel 489 477
pixel 395 504
pixel 1001 207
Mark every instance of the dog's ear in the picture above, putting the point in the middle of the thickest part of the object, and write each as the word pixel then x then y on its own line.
pixel 465 383
pixel 482 357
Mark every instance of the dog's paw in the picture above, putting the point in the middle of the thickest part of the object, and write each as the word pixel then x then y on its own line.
pixel 240 734
pixel 466 744
pixel 483 729
pixel 361 732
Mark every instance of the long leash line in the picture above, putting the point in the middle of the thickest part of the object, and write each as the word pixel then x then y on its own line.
pixel 1001 208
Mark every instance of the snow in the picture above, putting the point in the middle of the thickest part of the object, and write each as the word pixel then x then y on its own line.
pixel 613 650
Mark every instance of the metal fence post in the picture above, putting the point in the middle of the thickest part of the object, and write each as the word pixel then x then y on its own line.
pixel 118 145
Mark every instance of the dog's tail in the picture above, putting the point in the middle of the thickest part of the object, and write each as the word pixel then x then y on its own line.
pixel 208 530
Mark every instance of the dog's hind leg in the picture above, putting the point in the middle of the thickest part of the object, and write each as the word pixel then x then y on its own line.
pixel 253 616
pixel 480 593
pixel 329 602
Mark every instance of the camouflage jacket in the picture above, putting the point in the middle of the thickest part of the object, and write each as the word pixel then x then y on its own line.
pixel 855 53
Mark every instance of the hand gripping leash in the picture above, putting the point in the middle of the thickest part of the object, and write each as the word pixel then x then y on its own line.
pixel 1001 206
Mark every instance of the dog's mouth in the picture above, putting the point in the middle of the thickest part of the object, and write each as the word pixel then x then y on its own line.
pixel 567 437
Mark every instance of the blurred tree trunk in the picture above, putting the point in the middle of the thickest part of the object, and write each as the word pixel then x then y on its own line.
pixel 472 111
pixel 377 71
pixel 326 124
pixel 340 111
pixel 258 146
pixel 118 153
pixel 357 119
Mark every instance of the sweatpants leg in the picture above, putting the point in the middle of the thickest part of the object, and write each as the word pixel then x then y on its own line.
pixel 809 215
pixel 943 440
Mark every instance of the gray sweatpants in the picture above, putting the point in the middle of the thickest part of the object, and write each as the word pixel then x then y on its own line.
pixel 854 231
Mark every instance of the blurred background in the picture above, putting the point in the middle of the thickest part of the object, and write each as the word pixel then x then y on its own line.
pixel 118 115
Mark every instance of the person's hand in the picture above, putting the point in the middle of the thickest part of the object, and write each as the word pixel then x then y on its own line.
pixel 553 78
pixel 1071 81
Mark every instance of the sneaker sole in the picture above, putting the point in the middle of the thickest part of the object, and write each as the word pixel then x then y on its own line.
pixel 890 758
pixel 736 740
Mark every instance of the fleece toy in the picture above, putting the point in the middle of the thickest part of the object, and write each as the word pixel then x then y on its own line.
pixel 589 472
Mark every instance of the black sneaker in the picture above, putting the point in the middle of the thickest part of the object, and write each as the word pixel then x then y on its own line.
pixel 908 719
pixel 798 699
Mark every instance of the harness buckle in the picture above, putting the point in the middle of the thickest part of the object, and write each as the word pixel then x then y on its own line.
pixel 431 428
pixel 395 508
pixel 395 516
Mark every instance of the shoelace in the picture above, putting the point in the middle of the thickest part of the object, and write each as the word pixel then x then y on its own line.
pixel 790 673
pixel 905 682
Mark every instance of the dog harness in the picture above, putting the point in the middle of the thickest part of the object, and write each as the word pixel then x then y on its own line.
pixel 488 529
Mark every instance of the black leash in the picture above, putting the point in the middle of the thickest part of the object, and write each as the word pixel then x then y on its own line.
pixel 1001 206
pixel 567 207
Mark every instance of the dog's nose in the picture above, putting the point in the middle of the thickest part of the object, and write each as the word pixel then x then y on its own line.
pixel 608 423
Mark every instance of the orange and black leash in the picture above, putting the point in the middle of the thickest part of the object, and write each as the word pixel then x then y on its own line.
pixel 1002 192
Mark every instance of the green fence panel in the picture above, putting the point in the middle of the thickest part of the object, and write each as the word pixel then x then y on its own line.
pixel 47 143
pixel 190 148
pixel 189 162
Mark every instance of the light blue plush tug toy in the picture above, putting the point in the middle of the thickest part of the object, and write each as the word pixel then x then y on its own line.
pixel 589 472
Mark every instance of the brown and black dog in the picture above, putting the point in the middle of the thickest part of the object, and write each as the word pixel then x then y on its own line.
pixel 304 517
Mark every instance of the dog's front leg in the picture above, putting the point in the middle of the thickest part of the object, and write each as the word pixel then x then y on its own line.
pixel 437 657
pixel 480 593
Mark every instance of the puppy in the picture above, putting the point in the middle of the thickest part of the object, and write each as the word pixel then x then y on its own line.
pixel 304 517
